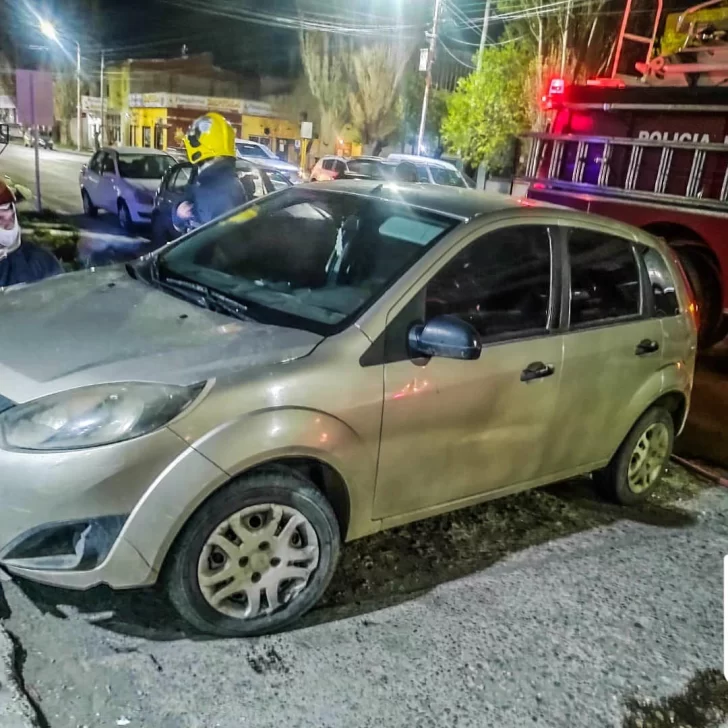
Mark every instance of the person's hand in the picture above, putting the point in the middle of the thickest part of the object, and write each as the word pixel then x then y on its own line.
pixel 185 211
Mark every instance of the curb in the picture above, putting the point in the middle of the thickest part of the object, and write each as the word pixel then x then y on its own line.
pixel 15 708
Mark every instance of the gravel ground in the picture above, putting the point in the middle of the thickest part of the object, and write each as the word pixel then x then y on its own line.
pixel 550 608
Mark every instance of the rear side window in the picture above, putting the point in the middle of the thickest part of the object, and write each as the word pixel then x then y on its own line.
pixel 605 278
pixel 664 295
pixel 328 164
pixel 180 179
pixel 422 175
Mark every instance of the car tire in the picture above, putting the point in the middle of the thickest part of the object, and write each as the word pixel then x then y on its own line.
pixel 638 466
pixel 192 555
pixel 89 209
pixel 125 221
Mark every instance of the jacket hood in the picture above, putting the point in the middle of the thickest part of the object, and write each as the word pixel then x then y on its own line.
pixel 104 326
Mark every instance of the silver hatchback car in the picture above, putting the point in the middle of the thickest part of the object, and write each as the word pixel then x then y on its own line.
pixel 324 363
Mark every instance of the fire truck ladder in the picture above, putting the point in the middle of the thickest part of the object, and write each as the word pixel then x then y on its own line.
pixel 649 41
pixel 549 169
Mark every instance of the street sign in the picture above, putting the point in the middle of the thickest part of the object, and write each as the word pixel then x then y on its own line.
pixel 306 130
pixel 34 98
pixel 424 57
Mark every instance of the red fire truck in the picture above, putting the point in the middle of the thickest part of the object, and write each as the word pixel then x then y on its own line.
pixel 652 152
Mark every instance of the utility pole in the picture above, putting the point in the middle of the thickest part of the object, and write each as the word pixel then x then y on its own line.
pixel 484 34
pixel 101 94
pixel 428 77
pixel 78 96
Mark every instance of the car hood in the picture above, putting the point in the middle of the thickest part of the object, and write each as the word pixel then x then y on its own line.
pixel 150 185
pixel 103 326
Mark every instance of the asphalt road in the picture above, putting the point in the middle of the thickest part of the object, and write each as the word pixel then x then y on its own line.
pixel 547 609
pixel 59 172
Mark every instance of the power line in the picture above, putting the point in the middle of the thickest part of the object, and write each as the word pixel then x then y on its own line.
pixel 455 58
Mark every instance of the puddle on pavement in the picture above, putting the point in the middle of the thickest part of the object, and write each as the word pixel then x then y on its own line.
pixel 703 704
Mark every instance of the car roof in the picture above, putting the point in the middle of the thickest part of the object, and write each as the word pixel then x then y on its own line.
pixel 144 151
pixel 453 201
pixel 250 141
pixel 421 160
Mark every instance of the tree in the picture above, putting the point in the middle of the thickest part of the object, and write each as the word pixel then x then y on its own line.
pixel 375 74
pixel 488 108
pixel 326 59
pixel 64 102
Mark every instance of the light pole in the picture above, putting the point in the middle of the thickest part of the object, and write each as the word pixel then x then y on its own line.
pixel 428 77
pixel 50 32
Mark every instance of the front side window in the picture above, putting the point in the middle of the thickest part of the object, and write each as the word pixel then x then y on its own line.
pixel 422 175
pixel 664 295
pixel 500 284
pixel 95 164
pixel 180 179
pixel 605 279
pixel 144 166
pixel 368 167
pixel 308 258
pixel 107 165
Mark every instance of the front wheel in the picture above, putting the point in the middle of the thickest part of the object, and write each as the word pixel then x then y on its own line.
pixel 89 209
pixel 125 220
pixel 639 464
pixel 256 556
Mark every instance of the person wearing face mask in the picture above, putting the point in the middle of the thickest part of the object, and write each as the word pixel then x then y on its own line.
pixel 20 262
pixel 215 187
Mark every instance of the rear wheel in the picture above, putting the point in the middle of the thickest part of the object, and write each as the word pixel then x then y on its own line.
pixel 256 556
pixel 89 209
pixel 639 464
pixel 705 279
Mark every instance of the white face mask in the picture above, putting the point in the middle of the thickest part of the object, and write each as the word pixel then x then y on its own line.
pixel 9 240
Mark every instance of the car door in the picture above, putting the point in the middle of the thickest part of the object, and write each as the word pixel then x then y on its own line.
pixel 452 429
pixel 107 186
pixel 172 192
pixel 92 177
pixel 612 352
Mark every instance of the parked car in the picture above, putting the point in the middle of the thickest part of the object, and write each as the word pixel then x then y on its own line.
pixel 325 363
pixel 333 167
pixel 123 180
pixel 432 171
pixel 265 158
pixel 173 188
pixel 45 140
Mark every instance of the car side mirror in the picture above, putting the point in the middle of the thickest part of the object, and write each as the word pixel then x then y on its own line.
pixel 445 336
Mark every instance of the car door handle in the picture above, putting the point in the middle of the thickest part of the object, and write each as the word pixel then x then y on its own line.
pixel 536 370
pixel 646 346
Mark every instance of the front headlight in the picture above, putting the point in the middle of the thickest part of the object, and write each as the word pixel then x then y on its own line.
pixel 92 416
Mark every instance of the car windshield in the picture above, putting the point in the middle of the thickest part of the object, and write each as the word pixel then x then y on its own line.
pixel 369 167
pixel 253 150
pixel 144 166
pixel 311 259
pixel 444 176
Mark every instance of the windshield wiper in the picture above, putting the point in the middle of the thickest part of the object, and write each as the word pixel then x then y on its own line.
pixel 200 295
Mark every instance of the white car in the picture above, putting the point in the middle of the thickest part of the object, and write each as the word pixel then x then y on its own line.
pixel 266 159
pixel 123 180
pixel 432 171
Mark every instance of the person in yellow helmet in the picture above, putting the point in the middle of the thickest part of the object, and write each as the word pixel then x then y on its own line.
pixel 214 188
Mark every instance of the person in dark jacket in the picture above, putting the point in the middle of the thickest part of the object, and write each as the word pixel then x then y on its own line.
pixel 20 262
pixel 215 188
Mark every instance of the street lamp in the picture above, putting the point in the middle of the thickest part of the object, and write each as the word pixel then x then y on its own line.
pixel 50 32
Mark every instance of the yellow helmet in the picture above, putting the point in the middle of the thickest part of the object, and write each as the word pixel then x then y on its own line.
pixel 210 136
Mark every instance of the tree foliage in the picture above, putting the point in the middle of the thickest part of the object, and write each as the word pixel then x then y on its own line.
pixel 326 60
pixel 488 107
pixel 375 75
pixel 354 82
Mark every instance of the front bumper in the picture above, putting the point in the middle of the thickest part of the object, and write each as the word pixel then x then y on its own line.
pixel 141 214
pixel 105 490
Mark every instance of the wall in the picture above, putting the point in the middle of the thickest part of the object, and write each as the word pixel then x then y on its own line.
pixel 149 119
